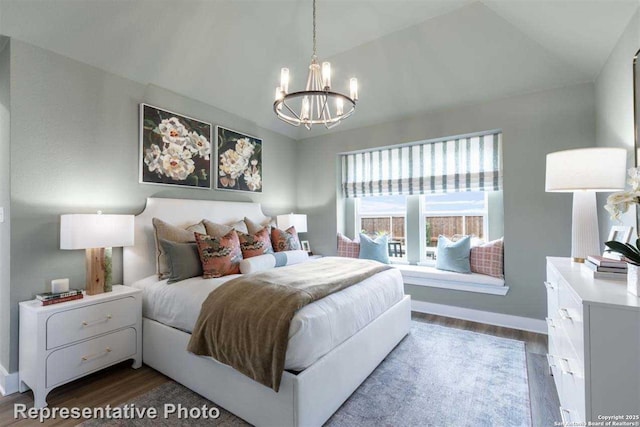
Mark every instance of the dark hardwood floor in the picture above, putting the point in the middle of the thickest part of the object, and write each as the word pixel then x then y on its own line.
pixel 121 383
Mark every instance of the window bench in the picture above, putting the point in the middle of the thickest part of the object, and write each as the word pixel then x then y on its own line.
pixel 432 277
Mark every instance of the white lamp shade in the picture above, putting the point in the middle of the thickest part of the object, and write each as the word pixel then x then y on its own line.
pixel 298 221
pixel 595 169
pixel 86 231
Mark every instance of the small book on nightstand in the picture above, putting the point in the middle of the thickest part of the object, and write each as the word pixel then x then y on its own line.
pixel 49 298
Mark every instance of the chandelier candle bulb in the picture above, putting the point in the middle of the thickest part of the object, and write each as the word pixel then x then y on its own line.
pixel 326 75
pixel 304 114
pixel 278 94
pixel 339 106
pixel 353 86
pixel 284 80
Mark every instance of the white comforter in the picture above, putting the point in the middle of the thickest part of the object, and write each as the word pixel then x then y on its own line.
pixel 315 330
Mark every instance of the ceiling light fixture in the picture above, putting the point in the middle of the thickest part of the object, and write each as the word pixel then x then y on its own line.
pixel 317 104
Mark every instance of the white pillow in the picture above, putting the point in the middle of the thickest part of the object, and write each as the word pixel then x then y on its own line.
pixel 269 261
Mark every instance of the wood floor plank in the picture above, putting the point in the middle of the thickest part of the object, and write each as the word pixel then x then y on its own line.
pixel 120 383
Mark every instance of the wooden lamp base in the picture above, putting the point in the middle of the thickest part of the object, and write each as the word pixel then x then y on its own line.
pixel 98 261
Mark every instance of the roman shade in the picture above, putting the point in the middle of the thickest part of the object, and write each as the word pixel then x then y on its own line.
pixel 461 163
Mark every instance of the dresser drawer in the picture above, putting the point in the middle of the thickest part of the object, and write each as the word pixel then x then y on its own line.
pixel 551 284
pixel 570 319
pixel 80 359
pixel 77 324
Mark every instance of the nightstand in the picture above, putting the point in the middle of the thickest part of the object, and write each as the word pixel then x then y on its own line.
pixel 63 342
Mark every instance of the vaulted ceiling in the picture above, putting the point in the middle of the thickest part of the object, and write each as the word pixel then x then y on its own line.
pixel 409 56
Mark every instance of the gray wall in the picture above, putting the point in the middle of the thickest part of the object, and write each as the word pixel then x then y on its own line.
pixel 5 194
pixel 536 224
pixel 74 149
pixel 614 107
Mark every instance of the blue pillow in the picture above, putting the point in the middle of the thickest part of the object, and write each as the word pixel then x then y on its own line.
pixel 376 250
pixel 453 256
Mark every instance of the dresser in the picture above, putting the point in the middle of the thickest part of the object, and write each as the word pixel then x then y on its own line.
pixel 62 342
pixel 594 344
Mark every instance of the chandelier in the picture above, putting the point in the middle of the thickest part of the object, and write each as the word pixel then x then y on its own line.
pixel 317 104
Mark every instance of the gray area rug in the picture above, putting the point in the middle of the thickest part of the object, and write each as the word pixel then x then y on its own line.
pixel 436 376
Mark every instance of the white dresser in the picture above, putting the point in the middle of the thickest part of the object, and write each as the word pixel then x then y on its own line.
pixel 594 344
pixel 62 342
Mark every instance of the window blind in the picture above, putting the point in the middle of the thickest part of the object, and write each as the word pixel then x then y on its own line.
pixel 465 163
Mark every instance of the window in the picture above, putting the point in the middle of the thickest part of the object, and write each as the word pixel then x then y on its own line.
pixel 384 215
pixel 415 192
pixel 452 214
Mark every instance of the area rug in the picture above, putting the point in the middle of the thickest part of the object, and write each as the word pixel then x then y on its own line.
pixel 436 376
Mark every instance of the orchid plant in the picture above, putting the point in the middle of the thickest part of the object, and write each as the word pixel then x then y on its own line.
pixel 620 202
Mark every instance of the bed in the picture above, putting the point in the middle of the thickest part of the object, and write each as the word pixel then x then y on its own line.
pixel 334 343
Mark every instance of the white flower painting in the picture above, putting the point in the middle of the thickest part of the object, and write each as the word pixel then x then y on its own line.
pixel 175 149
pixel 239 161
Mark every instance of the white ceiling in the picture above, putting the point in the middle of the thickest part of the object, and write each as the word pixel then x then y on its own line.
pixel 409 56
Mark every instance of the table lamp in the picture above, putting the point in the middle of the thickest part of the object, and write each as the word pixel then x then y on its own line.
pixel 97 234
pixel 298 221
pixel 584 172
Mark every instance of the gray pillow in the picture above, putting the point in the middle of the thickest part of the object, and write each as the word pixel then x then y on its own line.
pixel 183 260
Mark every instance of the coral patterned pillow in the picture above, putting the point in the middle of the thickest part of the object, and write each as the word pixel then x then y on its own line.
pixel 348 248
pixel 488 259
pixel 220 256
pixel 285 240
pixel 255 244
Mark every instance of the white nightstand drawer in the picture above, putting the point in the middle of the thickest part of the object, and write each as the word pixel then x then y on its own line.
pixel 80 359
pixel 77 324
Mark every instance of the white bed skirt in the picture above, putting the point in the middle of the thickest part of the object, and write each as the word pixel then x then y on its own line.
pixel 307 399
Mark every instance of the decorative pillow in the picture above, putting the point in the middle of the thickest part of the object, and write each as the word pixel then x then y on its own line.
pixel 453 256
pixel 220 256
pixel 216 230
pixel 255 244
pixel 254 227
pixel 183 259
pixel 376 250
pixel 488 259
pixel 269 261
pixel 285 240
pixel 166 231
pixel 240 226
pixel 348 248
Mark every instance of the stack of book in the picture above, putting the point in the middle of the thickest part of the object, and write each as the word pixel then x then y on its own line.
pixel 49 298
pixel 605 268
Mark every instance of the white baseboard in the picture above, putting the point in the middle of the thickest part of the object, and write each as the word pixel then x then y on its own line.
pixel 8 382
pixel 497 319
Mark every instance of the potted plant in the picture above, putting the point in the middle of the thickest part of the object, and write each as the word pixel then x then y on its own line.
pixel 631 254
pixel 617 204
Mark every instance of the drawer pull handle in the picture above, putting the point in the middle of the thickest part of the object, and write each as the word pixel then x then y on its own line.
pixel 568 370
pixel 549 286
pixel 567 420
pixel 550 322
pixel 93 356
pixel 564 314
pixel 106 319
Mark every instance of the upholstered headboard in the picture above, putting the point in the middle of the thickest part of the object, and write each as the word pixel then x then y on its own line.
pixel 139 260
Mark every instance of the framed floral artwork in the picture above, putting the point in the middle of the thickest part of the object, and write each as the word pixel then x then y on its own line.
pixel 239 161
pixel 174 149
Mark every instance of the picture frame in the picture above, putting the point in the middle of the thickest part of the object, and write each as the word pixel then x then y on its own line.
pixel 238 161
pixel 175 149
pixel 619 233
pixel 306 246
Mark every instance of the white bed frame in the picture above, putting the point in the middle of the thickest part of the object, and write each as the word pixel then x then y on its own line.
pixel 306 399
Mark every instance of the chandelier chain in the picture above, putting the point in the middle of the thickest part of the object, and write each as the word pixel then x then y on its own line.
pixel 314 27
